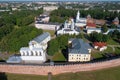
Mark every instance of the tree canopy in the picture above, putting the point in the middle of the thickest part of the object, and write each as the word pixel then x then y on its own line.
pixel 98 37
pixel 18 38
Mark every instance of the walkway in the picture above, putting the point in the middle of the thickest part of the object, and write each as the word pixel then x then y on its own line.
pixel 113 47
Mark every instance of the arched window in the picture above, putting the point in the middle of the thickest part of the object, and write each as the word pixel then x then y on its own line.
pixel 27 53
pixel 23 53
pixel 40 54
pixel 32 53
pixel 36 53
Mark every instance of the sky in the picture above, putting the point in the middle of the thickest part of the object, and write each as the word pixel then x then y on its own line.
pixel 59 0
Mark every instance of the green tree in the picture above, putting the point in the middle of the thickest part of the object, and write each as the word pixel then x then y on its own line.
pixel 104 28
pixel 113 26
pixel 53 47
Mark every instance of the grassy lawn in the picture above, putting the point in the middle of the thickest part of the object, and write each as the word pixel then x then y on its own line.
pixel 105 74
pixel 99 54
pixel 108 50
pixel 50 31
pixel 58 57
pixel 96 55
pixel 117 50
pixel 112 42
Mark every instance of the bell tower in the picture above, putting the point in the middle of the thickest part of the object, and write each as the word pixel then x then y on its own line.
pixel 78 16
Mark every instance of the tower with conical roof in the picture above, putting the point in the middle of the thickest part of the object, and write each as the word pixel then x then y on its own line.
pixel 88 16
pixel 116 21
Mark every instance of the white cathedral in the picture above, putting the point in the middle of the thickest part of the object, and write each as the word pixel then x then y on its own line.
pixel 68 28
pixel 35 53
pixel 72 27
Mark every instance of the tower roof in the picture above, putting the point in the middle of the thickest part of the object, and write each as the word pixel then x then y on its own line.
pixel 116 19
pixel 88 16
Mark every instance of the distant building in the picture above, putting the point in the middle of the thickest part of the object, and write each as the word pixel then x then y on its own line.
pixel 101 46
pixel 91 30
pixel 14 8
pixel 50 8
pixel 68 28
pixel 90 19
pixel 80 22
pixel 100 22
pixel 79 51
pixel 42 19
pixel 35 53
pixel 42 22
pixel 116 21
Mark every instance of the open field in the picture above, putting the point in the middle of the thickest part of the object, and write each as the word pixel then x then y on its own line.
pixel 105 74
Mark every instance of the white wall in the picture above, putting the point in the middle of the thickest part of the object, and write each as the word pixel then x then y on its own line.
pixel 46 26
pixel 90 31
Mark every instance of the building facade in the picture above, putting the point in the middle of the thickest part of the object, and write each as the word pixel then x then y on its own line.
pixel 91 30
pixel 79 51
pixel 36 52
pixel 42 22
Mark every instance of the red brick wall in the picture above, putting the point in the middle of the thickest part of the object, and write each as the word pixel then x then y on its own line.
pixel 43 70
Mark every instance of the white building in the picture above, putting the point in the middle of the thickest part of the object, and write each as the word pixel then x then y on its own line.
pixel 36 52
pixel 80 22
pixel 91 30
pixel 43 19
pixel 50 8
pixel 42 22
pixel 47 26
pixel 68 28
pixel 79 51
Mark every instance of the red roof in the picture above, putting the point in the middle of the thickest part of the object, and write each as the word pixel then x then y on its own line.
pixel 100 44
pixel 91 25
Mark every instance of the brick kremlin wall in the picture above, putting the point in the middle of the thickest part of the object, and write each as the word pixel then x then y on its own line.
pixel 44 70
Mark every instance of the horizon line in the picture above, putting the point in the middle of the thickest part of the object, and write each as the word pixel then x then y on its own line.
pixel 59 0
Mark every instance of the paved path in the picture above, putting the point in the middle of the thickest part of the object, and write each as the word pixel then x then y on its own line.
pixel 113 47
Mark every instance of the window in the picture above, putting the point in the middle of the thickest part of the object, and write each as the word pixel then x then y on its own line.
pixel 23 53
pixel 27 53
pixel 84 55
pixel 32 53
pixel 36 53
pixel 40 54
